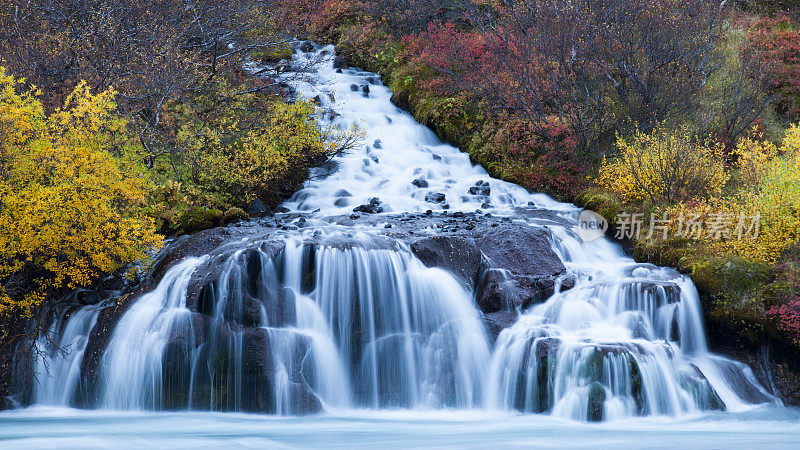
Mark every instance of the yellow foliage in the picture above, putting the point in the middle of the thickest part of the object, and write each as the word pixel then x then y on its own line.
pixel 664 166
pixel 752 154
pixel 70 210
pixel 772 201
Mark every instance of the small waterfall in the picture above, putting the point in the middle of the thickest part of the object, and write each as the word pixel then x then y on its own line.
pixel 331 316
pixel 58 366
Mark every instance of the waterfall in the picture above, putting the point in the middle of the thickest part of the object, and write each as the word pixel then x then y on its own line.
pixel 328 314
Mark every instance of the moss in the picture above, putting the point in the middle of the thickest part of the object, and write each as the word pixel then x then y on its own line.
pixel 234 214
pixel 199 218
pixel 272 54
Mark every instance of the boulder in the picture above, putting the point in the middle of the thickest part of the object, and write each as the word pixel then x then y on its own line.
pixel 435 197
pixel 373 207
pixel 458 255
pixel 420 183
pixel 307 47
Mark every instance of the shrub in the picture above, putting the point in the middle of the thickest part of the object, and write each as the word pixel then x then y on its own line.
pixel 777 42
pixel 664 167
pixel 772 204
pixel 71 208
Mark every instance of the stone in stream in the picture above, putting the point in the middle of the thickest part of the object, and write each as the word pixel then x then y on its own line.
pixel 435 197
pixel 373 207
pixel 307 47
pixel 420 183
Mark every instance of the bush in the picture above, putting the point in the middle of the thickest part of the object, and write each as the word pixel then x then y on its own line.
pixel 664 167
pixel 777 42
pixel 71 208
pixel 772 204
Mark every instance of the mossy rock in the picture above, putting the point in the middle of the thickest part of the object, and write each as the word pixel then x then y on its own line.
pixel 200 218
pixel 233 215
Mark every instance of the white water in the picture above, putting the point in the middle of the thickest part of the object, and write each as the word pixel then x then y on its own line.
pixel 368 326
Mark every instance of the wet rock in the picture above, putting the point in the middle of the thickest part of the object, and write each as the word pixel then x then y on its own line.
pixel 307 47
pixel 498 321
pixel 257 208
pixel 597 397
pixel 373 207
pixel 435 197
pixel 458 255
pixel 420 183
pixel 339 62
pixel 481 188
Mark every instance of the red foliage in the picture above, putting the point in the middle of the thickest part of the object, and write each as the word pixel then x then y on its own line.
pixel 788 317
pixel 458 57
pixel 542 160
pixel 777 43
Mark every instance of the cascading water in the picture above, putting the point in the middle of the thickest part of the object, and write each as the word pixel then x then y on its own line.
pixel 343 317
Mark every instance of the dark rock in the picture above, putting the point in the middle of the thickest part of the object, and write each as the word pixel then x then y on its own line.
pixel 597 397
pixel 481 188
pixel 373 207
pixel 498 321
pixel 435 197
pixel 339 62
pixel 307 47
pixel 522 250
pixel 420 183
pixel 459 256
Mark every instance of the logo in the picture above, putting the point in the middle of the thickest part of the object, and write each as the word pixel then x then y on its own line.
pixel 591 225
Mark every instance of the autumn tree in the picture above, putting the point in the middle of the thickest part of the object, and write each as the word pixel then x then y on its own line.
pixel 71 209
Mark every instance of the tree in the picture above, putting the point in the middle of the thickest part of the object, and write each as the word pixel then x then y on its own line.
pixel 71 209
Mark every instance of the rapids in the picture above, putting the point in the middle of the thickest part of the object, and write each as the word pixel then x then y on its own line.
pixel 342 318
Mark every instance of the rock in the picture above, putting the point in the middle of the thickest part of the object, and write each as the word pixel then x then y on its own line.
pixel 597 397
pixel 234 215
pixel 458 255
pixel 481 188
pixel 435 197
pixel 307 47
pixel 373 207
pixel 343 193
pixel 498 321
pixel 339 62
pixel 521 250
pixel 420 183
